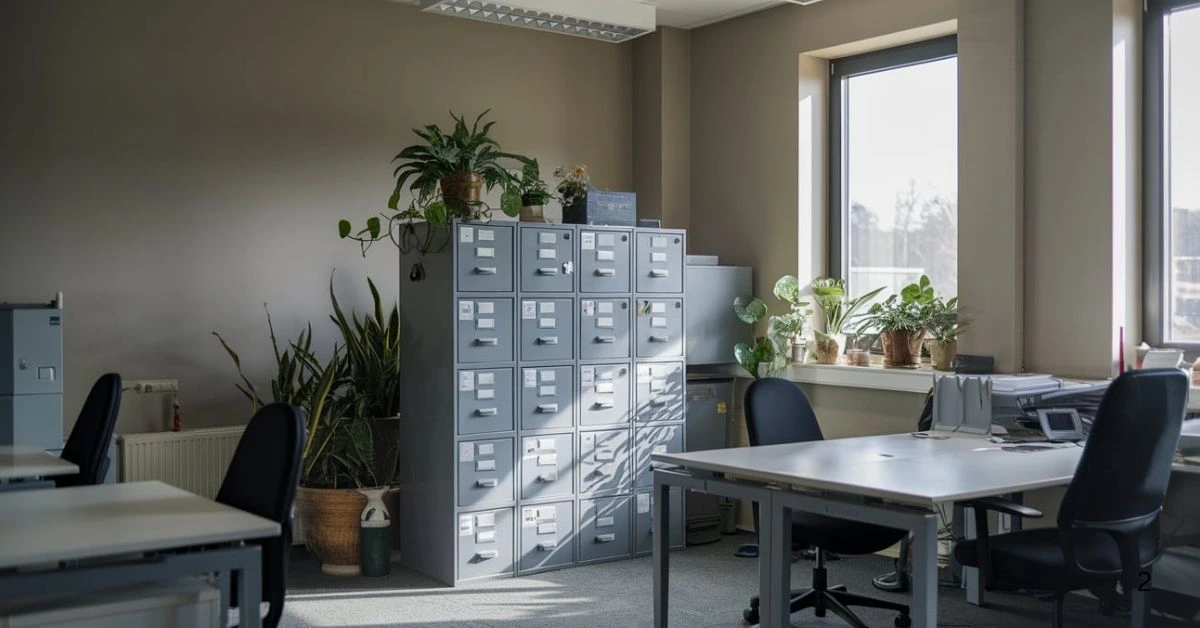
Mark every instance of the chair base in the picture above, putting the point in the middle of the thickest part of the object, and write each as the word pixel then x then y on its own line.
pixel 835 599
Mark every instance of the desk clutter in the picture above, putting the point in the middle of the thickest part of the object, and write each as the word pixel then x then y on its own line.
pixel 553 366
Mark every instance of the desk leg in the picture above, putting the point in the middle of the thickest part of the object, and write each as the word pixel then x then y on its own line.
pixel 775 552
pixel 250 587
pixel 661 539
pixel 925 573
pixel 970 575
pixel 222 582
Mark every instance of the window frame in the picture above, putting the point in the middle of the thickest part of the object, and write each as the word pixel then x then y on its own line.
pixel 1156 175
pixel 840 71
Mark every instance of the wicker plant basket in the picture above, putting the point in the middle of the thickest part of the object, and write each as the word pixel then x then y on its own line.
pixel 331 527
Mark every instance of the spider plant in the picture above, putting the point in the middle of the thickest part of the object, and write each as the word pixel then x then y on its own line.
pixel 839 310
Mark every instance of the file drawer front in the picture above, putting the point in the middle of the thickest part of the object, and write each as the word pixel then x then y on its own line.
pixel 547 466
pixel 643 520
pixel 604 261
pixel 485 402
pixel 654 440
pixel 604 462
pixel 485 472
pixel 485 257
pixel 547 329
pixel 547 397
pixel 660 391
pixel 659 328
pixel 485 330
pixel 604 528
pixel 604 396
pixel 604 329
pixel 660 262
pixel 547 536
pixel 547 259
pixel 485 543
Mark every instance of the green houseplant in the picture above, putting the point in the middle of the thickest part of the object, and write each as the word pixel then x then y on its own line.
pixel 946 325
pixel 534 192
pixel 839 309
pixel 902 321
pixel 769 354
pixel 790 326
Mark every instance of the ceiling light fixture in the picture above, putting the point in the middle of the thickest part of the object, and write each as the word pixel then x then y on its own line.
pixel 613 21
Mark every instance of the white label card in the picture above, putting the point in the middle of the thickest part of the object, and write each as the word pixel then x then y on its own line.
pixel 487 235
pixel 604 387
pixel 643 503
pixel 606 307
pixel 487 307
pixel 547 444
pixel 588 308
pixel 487 379
pixel 466 525
pixel 466 452
pixel 604 322
pixel 587 375
pixel 485 393
pixel 548 376
pixel 548 391
pixel 658 321
pixel 547 323
pixel 657 256
pixel 658 242
pixel 466 381
pixel 587 240
pixel 466 235
pixel 546 307
pixel 547 460
pixel 487 449
pixel 659 449
pixel 466 310
pixel 658 385
pixel 658 307
pixel 547 237
pixel 547 254
pixel 607 239
pixel 529 517
pixel 485 465
pixel 547 528
pixel 485 252
pixel 485 323
pixel 528 310
pixel 485 520
pixel 605 256
pixel 605 522
pixel 485 536
pixel 547 513
pixel 530 376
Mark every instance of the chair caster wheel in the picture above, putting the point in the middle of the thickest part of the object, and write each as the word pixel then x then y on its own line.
pixel 903 621
pixel 750 615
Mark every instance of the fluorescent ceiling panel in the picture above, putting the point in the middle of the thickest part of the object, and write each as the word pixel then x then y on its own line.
pixel 613 21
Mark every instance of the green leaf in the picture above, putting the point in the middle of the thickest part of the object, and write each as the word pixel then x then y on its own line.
pixel 394 199
pixel 510 202
pixel 749 310
pixel 745 357
pixel 343 228
pixel 787 289
pixel 373 226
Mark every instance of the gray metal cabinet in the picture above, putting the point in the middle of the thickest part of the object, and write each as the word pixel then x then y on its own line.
pixel 604 329
pixel 604 397
pixel 485 544
pixel 547 397
pixel 654 440
pixel 547 466
pixel 604 260
pixel 485 401
pixel 604 529
pixel 643 521
pixel 547 259
pixel 709 403
pixel 604 462
pixel 659 265
pixel 547 329
pixel 547 536
pixel 485 257
pixel 485 330
pixel 485 472
pixel 659 328
pixel 659 391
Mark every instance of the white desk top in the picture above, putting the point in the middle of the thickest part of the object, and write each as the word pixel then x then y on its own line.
pixel 51 525
pixel 23 462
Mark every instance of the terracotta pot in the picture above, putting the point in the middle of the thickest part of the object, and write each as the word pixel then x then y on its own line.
pixel 941 354
pixel 532 213
pixel 330 517
pixel 902 349
pixel 829 347
pixel 464 186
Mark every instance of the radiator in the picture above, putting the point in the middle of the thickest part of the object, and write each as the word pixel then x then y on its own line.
pixel 193 460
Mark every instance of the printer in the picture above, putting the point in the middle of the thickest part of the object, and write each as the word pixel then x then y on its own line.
pixel 1029 407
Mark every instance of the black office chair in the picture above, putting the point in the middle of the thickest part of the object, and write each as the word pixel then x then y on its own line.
pixel 778 412
pixel 92 434
pixel 262 480
pixel 1108 521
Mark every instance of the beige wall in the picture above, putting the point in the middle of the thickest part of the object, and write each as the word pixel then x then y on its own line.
pixel 661 123
pixel 171 166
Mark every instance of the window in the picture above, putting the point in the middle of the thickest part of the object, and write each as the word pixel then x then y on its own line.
pixel 893 142
pixel 1172 161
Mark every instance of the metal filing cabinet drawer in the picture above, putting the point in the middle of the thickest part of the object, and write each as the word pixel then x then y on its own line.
pixel 659 264
pixel 485 258
pixel 485 402
pixel 604 462
pixel 547 259
pixel 604 394
pixel 659 328
pixel 547 329
pixel 547 463
pixel 604 261
pixel 485 472
pixel 659 392
pixel 485 543
pixel 643 521
pixel 547 536
pixel 485 330
pixel 654 440
pixel 604 329
pixel 604 529
pixel 547 397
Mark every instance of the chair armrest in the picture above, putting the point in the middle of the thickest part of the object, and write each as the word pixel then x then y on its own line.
pixel 1003 505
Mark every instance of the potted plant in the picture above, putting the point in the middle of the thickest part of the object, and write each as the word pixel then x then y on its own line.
pixel 838 309
pixel 769 354
pixel 534 193
pixel 573 189
pixel 901 321
pixel 944 329
pixel 790 326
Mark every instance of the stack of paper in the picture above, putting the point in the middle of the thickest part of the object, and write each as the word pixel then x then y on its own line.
pixel 1025 384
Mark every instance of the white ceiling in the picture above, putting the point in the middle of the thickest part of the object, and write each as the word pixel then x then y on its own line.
pixel 693 13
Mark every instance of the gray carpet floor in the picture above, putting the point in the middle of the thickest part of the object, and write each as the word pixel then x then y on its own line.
pixel 709 588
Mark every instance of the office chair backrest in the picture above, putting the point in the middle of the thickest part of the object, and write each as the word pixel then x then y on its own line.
pixel 262 480
pixel 1121 480
pixel 777 412
pixel 91 436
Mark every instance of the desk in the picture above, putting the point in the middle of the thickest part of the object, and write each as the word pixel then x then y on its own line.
pixel 148 531
pixel 19 462
pixel 894 480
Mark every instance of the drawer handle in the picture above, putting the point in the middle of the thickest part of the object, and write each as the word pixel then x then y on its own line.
pixel 547 546
pixel 547 340
pixel 658 402
pixel 486 411
pixel 605 538
pixel 488 483
pixel 606 272
pixel 487 554
pixel 547 271
pixel 547 408
pixel 546 479
pixel 485 270
pixel 606 340
pixel 659 272
pixel 603 405
pixel 487 342
pixel 660 338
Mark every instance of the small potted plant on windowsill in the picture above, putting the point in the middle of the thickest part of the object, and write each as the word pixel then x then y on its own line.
pixel 944 330
pixel 902 321
pixel 830 295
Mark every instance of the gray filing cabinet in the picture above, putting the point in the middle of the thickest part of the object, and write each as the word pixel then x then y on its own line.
pixel 709 402
pixel 548 368
pixel 31 375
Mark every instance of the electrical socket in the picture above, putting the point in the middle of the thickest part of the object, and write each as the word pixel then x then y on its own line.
pixel 155 385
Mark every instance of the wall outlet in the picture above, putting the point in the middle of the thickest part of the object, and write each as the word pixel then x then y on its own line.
pixel 155 385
